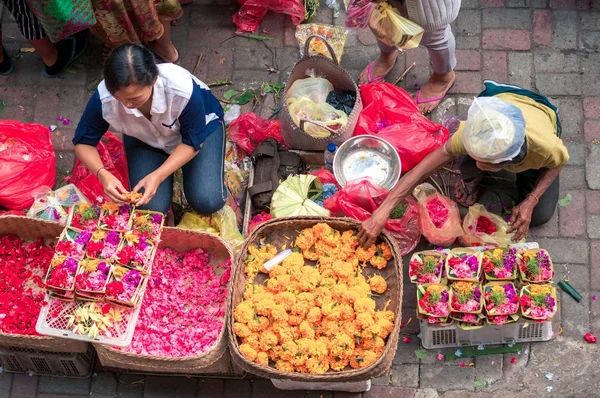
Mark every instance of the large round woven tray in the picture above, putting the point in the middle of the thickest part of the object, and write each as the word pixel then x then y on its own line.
pixel 30 229
pixel 285 230
pixel 181 241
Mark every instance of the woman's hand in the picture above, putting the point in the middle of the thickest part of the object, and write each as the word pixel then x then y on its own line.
pixel 371 228
pixel 150 184
pixel 521 218
pixel 112 186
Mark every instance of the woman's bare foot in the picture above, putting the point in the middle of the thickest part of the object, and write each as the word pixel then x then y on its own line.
pixel 432 93
pixel 467 193
pixel 379 68
pixel 167 52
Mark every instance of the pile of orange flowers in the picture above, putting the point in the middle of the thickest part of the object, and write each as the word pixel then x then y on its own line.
pixel 311 319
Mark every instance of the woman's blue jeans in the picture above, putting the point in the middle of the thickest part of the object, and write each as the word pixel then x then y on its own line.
pixel 203 179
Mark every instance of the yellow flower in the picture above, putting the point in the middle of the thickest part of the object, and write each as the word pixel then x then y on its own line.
pixel 131 237
pixel 90 265
pixel 498 253
pixel 119 271
pixel 463 287
pixel 99 234
pixel 110 206
pixel 436 288
pixel 83 206
pixel 497 289
pixel 540 289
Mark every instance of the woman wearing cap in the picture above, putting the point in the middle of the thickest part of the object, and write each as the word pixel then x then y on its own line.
pixel 508 128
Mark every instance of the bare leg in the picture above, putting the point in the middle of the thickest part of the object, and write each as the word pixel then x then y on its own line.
pixel 163 46
pixel 381 66
pixel 46 49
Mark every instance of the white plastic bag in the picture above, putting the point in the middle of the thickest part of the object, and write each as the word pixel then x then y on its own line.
pixel 494 131
pixel 315 88
pixel 323 113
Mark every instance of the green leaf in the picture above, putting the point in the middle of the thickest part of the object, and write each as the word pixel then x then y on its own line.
pixel 478 384
pixel 245 98
pixel 566 201
pixel 229 94
pixel 2 105
pixel 421 354
pixel 268 89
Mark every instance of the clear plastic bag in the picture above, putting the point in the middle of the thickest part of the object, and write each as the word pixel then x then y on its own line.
pixel 393 29
pixel 483 228
pixel 222 223
pixel 358 13
pixel 323 114
pixel 314 88
pixel 494 131
pixel 439 216
pixel 54 205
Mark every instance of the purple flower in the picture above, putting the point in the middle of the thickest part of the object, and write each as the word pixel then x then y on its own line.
pixel 141 245
pixel 55 214
pixel 156 218
pixel 132 278
pixel 83 238
pixel 112 238
pixel 444 297
pixel 490 208
pixel 477 293
pixel 473 263
pixel 550 302
pixel 70 265
pixel 103 267
pixel 124 209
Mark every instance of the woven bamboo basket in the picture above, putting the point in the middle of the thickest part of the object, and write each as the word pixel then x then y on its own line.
pixel 294 136
pixel 30 229
pixel 275 232
pixel 179 240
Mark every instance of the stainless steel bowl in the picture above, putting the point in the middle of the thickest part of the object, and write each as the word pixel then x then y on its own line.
pixel 367 156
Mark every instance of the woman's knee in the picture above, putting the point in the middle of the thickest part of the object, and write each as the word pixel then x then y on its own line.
pixel 541 215
pixel 206 202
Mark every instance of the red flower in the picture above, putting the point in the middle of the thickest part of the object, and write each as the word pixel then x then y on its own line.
pixel 113 289
pixel 126 255
pixel 94 248
pixel 485 225
pixel 406 339
pixel 438 212
pixel 590 338
pixel 513 360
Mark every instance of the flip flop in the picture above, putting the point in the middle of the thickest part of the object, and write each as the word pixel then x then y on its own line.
pixel 6 66
pixel 79 42
pixel 473 192
pixel 377 79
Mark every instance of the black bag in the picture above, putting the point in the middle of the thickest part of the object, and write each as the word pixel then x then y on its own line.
pixel 272 163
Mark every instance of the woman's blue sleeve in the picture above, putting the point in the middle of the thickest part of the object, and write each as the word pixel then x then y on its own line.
pixel 192 121
pixel 92 125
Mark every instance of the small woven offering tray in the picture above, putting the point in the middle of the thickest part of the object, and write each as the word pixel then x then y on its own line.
pixel 282 233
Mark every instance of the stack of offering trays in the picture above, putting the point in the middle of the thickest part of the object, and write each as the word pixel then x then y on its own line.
pixel 484 286
pixel 104 256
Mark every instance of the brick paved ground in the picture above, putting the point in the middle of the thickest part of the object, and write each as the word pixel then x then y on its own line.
pixel 548 45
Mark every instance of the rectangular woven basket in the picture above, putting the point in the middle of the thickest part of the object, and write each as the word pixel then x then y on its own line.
pixel 274 232
pixel 181 241
pixel 30 229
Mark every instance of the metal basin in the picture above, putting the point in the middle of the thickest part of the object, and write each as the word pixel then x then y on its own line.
pixel 367 156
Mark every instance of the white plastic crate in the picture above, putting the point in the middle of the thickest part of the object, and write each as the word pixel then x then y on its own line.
pixel 351 386
pixel 61 364
pixel 433 336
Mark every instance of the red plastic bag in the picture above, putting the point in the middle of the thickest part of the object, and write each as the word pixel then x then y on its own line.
pixel 326 177
pixel 392 114
pixel 249 16
pixel 360 198
pixel 113 158
pixel 440 219
pixel 249 130
pixel 27 162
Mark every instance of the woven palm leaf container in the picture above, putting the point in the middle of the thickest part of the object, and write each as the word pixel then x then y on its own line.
pixel 284 230
pixel 295 136
pixel 212 361
pixel 29 229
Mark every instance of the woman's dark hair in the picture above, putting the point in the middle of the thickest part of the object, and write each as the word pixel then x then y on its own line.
pixel 129 64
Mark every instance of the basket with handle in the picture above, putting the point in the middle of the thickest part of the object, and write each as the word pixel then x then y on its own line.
pixel 29 229
pixel 295 136
pixel 274 232
pixel 211 360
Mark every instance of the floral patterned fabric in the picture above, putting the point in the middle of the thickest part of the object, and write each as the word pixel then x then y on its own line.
pixel 132 21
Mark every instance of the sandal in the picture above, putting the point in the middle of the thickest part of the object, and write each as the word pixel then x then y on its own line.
pixel 69 50
pixel 378 78
pixel 470 189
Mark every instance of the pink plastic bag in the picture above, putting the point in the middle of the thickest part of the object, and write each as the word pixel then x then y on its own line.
pixel 360 198
pixel 249 130
pixel 248 18
pixel 27 162
pixel 358 13
pixel 392 114
pixel 439 216
pixel 113 158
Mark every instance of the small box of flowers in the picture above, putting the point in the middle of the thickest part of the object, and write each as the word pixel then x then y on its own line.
pixel 310 304
pixel 27 247
pixel 484 286
pixel 100 269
